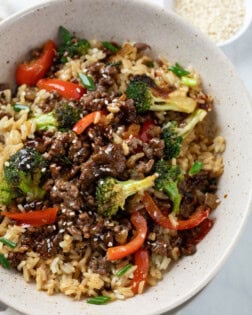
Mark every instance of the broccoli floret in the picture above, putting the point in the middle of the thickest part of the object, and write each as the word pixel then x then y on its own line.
pixel 111 193
pixel 6 194
pixel 22 175
pixel 62 118
pixel 167 182
pixel 173 135
pixel 145 100
pixel 71 46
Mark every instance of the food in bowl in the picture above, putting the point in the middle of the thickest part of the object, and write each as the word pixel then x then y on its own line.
pixel 109 168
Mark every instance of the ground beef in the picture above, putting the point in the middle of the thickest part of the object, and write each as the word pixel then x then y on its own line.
pixel 60 144
pixel 67 193
pixel 188 250
pixel 154 148
pixel 79 151
pixel 30 93
pixel 2 139
pixel 127 113
pixel 108 161
pixel 105 75
pixel 141 46
pixel 95 100
pixel 16 258
pixel 99 264
pixel 43 240
pixel 41 142
pixel 100 135
pixel 194 190
pixel 4 114
pixel 161 243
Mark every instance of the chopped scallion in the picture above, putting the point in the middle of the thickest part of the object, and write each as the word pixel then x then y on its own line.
pixel 178 70
pixel 87 81
pixel 65 35
pixel 19 107
pixel 4 262
pixel 98 300
pixel 149 64
pixel 196 168
pixel 110 46
pixel 7 242
pixel 189 81
pixel 122 271
pixel 114 64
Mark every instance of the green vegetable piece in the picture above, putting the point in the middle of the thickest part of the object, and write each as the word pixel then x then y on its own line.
pixel 122 271
pixel 174 135
pixel 87 81
pixel 189 81
pixel 6 193
pixel 178 70
pixel 150 64
pixel 111 193
pixel 114 64
pixel 110 46
pixel 141 91
pixel 196 168
pixel 65 35
pixel 80 47
pixel 7 242
pixel 62 118
pixel 167 182
pixel 98 300
pixel 70 46
pixel 23 172
pixel 4 262
pixel 19 107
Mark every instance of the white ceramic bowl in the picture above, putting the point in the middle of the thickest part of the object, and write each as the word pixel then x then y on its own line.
pixel 140 21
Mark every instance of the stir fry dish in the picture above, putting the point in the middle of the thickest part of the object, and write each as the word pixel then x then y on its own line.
pixel 109 165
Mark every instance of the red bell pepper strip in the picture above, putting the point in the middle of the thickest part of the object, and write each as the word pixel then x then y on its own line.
pixel 86 121
pixel 34 218
pixel 122 251
pixel 142 261
pixel 144 133
pixel 67 89
pixel 201 231
pixel 156 214
pixel 30 72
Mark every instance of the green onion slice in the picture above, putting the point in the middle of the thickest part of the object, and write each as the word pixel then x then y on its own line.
pixel 87 81
pixel 4 262
pixel 7 242
pixel 110 46
pixel 178 70
pixel 114 64
pixel 122 271
pixel 149 64
pixel 98 300
pixel 65 35
pixel 19 107
pixel 189 81
pixel 196 168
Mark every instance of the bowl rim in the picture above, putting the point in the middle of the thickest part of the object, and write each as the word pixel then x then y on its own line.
pixel 208 44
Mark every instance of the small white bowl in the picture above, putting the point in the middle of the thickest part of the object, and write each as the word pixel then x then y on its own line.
pixel 246 24
pixel 168 4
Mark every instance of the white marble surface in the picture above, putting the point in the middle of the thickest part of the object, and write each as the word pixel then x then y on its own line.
pixel 230 292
